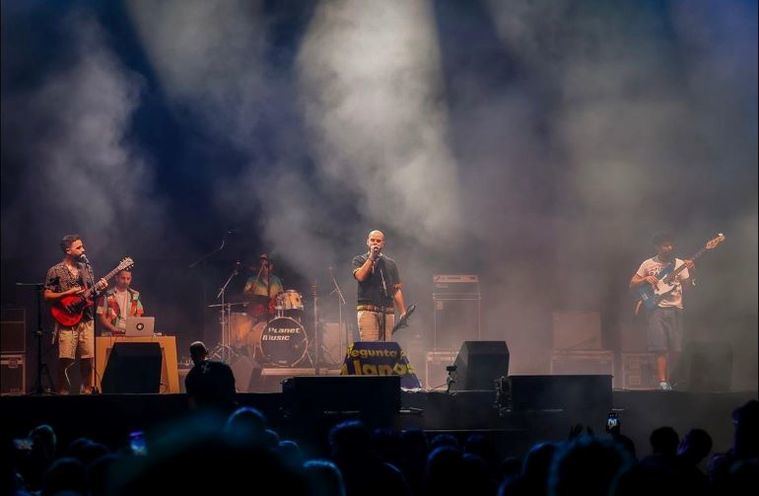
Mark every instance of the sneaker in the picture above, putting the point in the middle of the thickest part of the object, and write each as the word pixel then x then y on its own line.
pixel 665 386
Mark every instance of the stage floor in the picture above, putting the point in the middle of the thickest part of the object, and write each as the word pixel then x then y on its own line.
pixel 110 418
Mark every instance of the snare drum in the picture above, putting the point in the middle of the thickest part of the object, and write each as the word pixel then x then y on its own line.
pixel 284 342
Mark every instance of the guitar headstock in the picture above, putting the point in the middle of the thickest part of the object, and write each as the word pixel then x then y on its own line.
pixel 715 242
pixel 126 263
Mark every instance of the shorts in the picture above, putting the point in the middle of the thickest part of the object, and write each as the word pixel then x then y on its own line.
pixel 665 329
pixel 80 337
pixel 369 325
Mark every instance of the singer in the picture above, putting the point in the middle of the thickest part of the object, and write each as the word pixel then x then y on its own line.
pixel 72 276
pixel 379 290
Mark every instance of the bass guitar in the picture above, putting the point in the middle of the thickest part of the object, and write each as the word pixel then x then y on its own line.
pixel 649 296
pixel 69 310
pixel 403 321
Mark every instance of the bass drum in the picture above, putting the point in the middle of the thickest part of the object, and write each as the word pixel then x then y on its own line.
pixel 284 342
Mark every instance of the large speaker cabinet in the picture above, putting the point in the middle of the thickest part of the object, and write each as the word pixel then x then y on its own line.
pixel 456 318
pixel 13 330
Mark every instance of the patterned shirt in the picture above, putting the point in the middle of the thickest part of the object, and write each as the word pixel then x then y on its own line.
pixel 59 279
pixel 109 305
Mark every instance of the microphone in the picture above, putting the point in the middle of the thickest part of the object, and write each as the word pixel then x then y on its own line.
pixel 83 258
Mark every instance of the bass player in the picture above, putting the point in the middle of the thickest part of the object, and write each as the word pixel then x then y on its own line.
pixel 664 322
pixel 72 276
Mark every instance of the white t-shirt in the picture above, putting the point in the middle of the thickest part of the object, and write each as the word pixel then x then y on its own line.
pixel 123 299
pixel 652 267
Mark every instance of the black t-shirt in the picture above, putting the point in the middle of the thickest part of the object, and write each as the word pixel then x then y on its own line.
pixel 378 289
pixel 211 383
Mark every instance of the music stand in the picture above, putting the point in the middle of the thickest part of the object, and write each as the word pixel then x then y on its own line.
pixel 41 366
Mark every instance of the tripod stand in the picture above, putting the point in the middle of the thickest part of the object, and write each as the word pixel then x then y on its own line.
pixel 41 366
pixel 224 349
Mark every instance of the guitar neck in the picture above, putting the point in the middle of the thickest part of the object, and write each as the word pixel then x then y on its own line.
pixel 107 277
pixel 693 257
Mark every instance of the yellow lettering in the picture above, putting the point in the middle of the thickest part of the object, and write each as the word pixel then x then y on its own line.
pixel 385 370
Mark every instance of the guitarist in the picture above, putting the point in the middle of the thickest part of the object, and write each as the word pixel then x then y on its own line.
pixel 379 290
pixel 665 322
pixel 70 277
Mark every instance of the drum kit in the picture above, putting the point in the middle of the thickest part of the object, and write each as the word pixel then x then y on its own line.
pixel 276 338
pixel 274 332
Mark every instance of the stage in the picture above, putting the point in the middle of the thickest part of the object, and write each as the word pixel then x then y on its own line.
pixel 109 418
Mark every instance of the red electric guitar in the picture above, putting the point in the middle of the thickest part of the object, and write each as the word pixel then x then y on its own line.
pixel 69 310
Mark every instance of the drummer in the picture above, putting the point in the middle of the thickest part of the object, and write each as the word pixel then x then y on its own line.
pixel 261 289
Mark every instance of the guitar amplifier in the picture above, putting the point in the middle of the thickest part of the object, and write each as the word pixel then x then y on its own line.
pixel 455 287
pixel 573 330
pixel 13 330
pixel 12 374
pixel 586 362
pixel 456 299
pixel 435 375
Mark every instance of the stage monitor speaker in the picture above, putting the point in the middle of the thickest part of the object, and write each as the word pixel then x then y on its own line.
pixel 709 366
pixel 375 398
pixel 479 364
pixel 572 393
pixel 13 330
pixel 133 368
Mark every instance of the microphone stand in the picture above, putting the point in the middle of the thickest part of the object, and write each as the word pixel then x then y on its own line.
pixel 225 317
pixel 203 276
pixel 210 253
pixel 317 341
pixel 383 308
pixel 340 303
pixel 95 295
pixel 41 366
